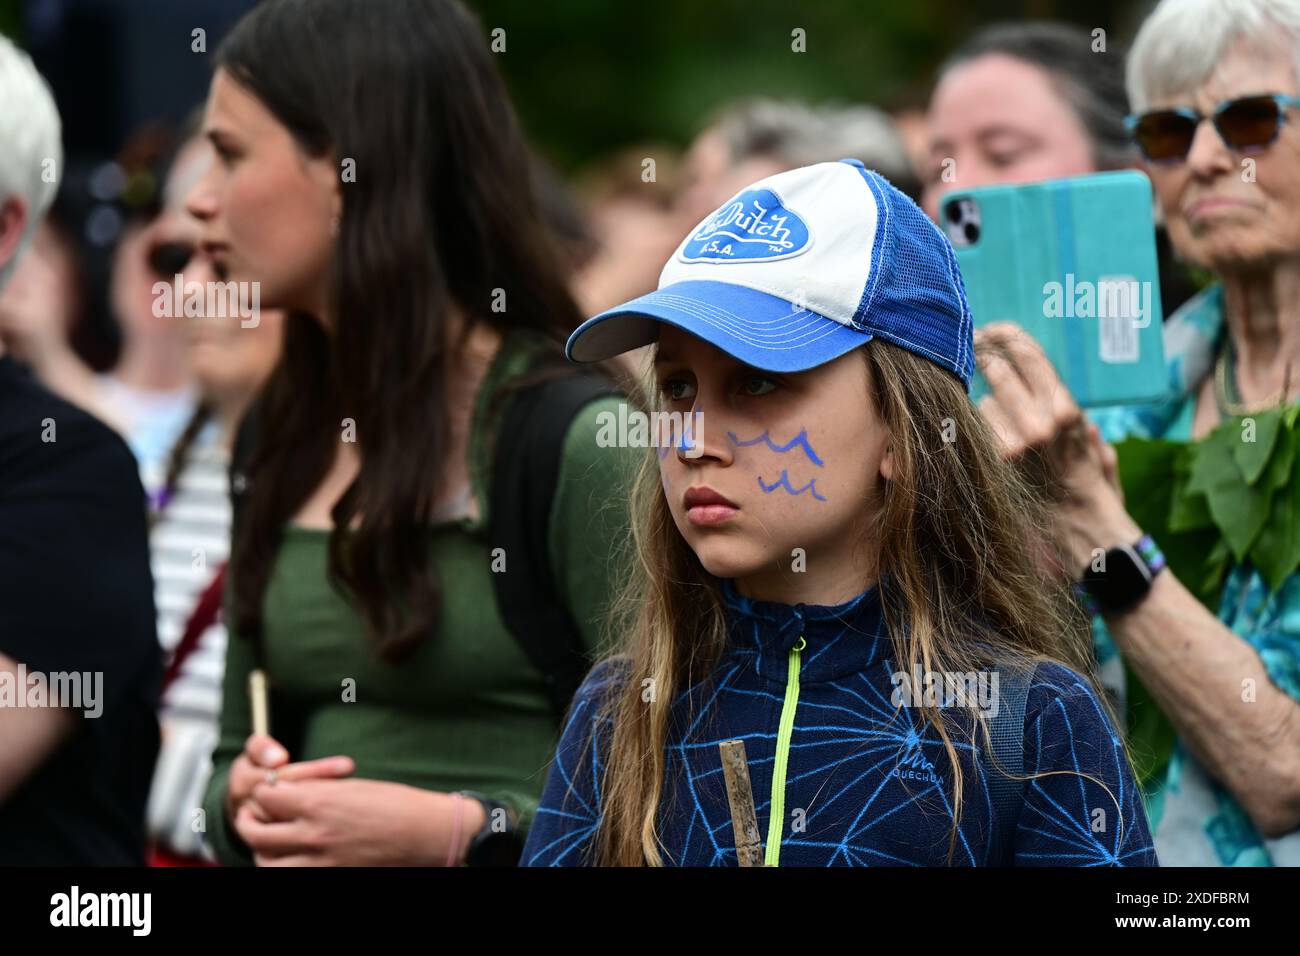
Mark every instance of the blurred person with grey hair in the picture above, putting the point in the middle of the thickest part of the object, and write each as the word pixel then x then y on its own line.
pixel 79 661
pixel 32 154
pixel 747 141
pixel 759 137
pixel 1215 87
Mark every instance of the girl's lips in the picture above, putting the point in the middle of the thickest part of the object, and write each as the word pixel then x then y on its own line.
pixel 704 495
pixel 706 508
pixel 710 515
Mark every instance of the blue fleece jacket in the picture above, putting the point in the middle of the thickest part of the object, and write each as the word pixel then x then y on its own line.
pixel 866 784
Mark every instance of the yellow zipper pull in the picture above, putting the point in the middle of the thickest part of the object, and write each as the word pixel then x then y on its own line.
pixel 776 806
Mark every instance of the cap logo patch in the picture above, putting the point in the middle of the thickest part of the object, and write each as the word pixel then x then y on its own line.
pixel 753 226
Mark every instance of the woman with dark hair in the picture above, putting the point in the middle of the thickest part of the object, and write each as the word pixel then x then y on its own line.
pixel 372 178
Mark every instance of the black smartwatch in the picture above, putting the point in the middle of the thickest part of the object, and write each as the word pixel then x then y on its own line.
pixel 1124 578
pixel 498 842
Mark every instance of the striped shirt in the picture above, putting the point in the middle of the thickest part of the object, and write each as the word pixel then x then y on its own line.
pixel 189 544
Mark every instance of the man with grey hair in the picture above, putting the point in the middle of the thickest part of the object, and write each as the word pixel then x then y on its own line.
pixel 30 154
pixel 79 660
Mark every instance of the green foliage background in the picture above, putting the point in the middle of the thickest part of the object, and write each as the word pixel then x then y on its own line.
pixel 589 76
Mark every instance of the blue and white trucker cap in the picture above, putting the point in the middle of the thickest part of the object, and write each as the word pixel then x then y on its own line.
pixel 798 269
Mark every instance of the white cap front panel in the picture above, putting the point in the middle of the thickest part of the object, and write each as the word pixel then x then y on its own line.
pixel 804 236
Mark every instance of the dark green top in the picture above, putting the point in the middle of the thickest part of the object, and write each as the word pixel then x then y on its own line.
pixel 467 710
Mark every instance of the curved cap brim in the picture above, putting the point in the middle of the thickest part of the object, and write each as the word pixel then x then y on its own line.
pixel 761 330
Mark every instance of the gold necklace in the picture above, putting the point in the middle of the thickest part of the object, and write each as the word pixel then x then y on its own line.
pixel 1226 394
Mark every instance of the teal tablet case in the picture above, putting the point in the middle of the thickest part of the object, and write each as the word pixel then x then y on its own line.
pixel 1073 262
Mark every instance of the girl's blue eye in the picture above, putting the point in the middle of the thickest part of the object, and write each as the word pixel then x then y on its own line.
pixel 758 385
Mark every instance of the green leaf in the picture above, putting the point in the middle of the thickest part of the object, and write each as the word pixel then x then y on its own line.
pixel 1240 513
pixel 1189 509
pixel 1277 552
pixel 1238 509
pixel 1145 468
pixel 1149 733
pixel 1147 471
pixel 1212 463
pixel 1252 456
pixel 1283 460
pixel 1209 589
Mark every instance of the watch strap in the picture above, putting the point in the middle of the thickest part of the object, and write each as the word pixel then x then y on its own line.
pixel 476 851
pixel 1151 561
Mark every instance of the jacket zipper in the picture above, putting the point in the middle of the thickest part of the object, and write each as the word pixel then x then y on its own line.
pixel 776 806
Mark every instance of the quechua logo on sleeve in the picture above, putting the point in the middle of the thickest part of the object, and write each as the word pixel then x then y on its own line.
pixel 753 226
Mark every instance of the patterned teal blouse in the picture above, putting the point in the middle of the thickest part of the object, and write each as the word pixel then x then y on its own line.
pixel 1196 821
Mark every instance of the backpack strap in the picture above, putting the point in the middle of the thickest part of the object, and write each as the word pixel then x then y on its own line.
pixel 1007 730
pixel 204 615
pixel 526 463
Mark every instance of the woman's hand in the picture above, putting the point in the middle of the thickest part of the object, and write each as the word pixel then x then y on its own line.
pixel 1037 422
pixel 319 822
pixel 265 759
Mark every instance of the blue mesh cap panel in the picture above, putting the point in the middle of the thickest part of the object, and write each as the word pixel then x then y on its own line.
pixel 914 296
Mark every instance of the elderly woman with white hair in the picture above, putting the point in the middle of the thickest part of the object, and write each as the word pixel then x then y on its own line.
pixel 1215 85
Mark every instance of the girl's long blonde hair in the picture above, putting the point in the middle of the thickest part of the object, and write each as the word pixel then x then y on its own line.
pixel 961 543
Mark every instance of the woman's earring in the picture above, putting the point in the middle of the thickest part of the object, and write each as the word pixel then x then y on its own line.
pixel 334 225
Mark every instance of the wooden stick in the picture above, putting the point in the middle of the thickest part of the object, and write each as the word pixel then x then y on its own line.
pixel 257 698
pixel 740 795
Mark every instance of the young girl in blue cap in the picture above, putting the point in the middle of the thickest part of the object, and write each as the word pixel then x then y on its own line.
pixel 836 567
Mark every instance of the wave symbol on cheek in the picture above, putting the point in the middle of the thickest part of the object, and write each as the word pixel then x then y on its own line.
pixel 800 439
pixel 784 482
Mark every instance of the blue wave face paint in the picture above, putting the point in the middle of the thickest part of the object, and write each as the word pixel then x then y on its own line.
pixel 800 440
pixel 784 482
